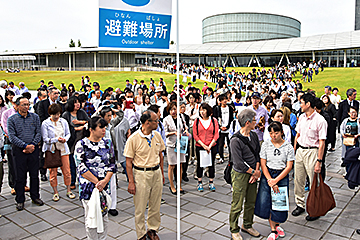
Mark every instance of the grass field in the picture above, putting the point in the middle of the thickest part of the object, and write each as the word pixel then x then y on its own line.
pixel 104 78
pixel 342 78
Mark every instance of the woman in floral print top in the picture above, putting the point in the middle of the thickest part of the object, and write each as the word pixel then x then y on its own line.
pixel 95 159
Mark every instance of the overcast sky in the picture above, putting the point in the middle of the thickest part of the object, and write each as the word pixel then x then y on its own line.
pixel 46 24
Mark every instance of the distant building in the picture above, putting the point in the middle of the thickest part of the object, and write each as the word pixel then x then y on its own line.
pixel 245 26
pixel 357 15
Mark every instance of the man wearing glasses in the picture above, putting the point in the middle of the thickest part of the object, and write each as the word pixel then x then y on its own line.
pixel 25 134
pixel 145 169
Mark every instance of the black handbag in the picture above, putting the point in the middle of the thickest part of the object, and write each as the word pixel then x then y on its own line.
pixel 227 172
pixel 53 158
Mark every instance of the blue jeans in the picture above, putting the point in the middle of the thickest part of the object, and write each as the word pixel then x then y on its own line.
pixel 263 206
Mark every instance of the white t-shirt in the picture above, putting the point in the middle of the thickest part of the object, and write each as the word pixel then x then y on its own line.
pixel 205 123
pixel 225 117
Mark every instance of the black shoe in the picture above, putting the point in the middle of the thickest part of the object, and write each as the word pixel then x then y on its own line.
pixel 358 231
pixel 331 150
pixel 38 202
pixel 43 177
pixel 298 210
pixel 19 206
pixel 113 212
pixel 308 218
pixel 343 164
pixel 185 179
pixel 163 201
pixel 59 173
pixel 172 191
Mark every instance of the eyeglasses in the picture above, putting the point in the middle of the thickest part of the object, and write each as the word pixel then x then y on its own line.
pixel 25 105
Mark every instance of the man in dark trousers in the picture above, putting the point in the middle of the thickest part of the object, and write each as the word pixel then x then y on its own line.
pixel 25 134
pixel 343 112
pixel 344 106
pixel 42 110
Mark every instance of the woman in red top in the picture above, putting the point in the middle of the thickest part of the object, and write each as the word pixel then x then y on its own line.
pixel 205 133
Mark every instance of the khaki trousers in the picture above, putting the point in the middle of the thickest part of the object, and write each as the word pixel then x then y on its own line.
pixel 148 185
pixel 304 166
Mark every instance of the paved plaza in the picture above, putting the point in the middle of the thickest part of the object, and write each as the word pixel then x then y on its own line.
pixel 203 215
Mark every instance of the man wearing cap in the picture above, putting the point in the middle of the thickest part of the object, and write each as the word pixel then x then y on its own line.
pixel 13 88
pixel 23 88
pixel 96 86
pixel 156 98
pixel 261 117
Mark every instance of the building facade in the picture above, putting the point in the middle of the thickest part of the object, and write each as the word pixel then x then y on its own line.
pixel 240 27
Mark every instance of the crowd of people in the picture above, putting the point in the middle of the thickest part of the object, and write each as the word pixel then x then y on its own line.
pixel 266 121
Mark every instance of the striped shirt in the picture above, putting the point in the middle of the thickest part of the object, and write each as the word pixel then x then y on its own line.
pixel 24 130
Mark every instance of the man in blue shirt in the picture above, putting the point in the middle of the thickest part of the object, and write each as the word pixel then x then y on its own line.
pixel 25 134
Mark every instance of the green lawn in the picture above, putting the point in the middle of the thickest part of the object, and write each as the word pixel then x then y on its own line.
pixel 342 78
pixel 104 78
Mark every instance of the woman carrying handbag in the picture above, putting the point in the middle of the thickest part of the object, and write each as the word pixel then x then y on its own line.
pixel 55 133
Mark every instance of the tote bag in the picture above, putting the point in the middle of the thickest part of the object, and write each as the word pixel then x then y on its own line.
pixel 320 199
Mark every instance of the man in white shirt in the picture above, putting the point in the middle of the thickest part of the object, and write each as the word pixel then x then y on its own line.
pixel 96 100
pixel 13 88
pixel 22 88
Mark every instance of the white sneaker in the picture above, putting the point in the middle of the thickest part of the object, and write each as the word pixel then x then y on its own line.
pixel 272 236
pixel 220 161
pixel 236 236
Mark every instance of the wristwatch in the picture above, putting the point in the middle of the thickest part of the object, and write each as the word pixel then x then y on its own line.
pixel 319 160
pixel 253 171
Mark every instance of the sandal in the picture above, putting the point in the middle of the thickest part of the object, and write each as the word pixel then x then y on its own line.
pixel 56 197
pixel 70 195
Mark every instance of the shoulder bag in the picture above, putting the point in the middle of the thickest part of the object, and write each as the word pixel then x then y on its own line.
pixel 320 199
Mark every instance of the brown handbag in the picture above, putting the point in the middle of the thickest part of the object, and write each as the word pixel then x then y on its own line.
pixel 320 199
pixel 349 141
pixel 53 158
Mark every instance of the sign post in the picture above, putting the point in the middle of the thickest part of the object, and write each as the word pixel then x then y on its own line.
pixel 135 23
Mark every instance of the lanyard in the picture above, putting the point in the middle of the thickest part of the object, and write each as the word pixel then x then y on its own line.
pixel 149 140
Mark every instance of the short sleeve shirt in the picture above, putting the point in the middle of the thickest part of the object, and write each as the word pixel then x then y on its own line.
pixel 276 158
pixel 351 127
pixel 144 151
pixel 311 129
